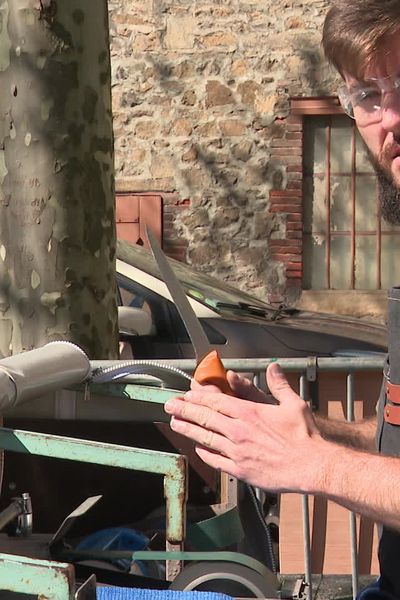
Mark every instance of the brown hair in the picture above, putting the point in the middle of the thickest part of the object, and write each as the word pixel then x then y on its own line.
pixel 356 30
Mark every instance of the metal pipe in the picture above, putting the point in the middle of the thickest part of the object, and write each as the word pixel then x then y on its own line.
pixel 346 364
pixel 37 372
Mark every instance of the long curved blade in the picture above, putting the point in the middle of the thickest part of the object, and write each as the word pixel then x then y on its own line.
pixel 196 332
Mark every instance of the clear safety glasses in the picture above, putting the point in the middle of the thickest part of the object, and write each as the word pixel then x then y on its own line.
pixel 364 102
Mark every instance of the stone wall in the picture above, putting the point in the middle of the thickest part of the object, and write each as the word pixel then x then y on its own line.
pixel 201 95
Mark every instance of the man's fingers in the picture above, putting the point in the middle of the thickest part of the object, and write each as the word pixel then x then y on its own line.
pixel 244 388
pixel 216 461
pixel 278 384
pixel 241 386
pixel 208 387
pixel 203 436
pixel 202 415
pixel 218 402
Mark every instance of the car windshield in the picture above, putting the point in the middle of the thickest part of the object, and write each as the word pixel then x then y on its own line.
pixel 200 286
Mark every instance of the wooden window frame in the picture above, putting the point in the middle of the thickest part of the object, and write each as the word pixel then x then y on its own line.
pixel 306 106
pixel 330 106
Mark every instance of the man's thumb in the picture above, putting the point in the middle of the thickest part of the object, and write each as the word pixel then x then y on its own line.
pixel 278 384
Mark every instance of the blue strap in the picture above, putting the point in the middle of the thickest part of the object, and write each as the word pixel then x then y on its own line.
pixel 118 593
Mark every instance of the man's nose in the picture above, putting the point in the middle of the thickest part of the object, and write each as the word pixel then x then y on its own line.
pixel 391 111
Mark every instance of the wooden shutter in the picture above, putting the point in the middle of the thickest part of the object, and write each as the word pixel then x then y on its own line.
pixel 134 212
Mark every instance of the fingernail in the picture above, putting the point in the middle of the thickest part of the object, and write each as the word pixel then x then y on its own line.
pixel 169 406
pixel 174 424
pixel 277 367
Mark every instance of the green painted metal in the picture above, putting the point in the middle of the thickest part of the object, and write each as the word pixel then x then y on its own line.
pixel 51 580
pixel 219 531
pixel 138 392
pixel 172 466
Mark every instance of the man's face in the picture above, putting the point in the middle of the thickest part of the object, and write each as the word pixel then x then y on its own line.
pixel 382 136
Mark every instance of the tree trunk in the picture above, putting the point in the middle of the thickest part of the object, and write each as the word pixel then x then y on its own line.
pixel 57 216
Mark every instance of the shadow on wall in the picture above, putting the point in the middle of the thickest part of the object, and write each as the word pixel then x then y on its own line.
pixel 227 175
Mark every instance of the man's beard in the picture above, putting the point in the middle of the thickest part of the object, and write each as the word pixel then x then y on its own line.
pixel 389 192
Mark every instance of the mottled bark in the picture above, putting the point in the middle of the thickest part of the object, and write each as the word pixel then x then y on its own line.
pixel 57 225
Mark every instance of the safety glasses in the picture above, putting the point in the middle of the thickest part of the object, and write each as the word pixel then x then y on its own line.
pixel 364 102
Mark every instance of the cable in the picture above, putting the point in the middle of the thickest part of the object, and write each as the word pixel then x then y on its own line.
pixel 270 555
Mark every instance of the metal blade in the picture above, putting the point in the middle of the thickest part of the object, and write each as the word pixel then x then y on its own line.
pixel 196 332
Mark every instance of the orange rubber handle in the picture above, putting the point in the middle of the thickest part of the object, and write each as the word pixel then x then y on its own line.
pixel 211 370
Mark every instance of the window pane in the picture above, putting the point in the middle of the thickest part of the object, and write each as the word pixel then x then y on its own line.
pixel 366 203
pixel 315 213
pixel 340 262
pixel 341 204
pixel 390 260
pixel 308 204
pixel 366 263
pixel 341 134
pixel 315 142
pixel 314 249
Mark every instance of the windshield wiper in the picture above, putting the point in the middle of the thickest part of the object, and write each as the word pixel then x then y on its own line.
pixel 268 312
pixel 250 308
pixel 284 311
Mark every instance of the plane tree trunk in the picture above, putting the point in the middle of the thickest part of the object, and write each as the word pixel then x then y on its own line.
pixel 57 216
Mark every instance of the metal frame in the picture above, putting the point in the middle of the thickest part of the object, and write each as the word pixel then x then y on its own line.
pixel 173 467
pixel 52 580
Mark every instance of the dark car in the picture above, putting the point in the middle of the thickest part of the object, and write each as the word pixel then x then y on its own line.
pixel 236 323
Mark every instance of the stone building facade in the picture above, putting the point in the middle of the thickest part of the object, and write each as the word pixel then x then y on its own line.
pixel 202 94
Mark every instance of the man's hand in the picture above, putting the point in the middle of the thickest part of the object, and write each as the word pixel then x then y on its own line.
pixel 275 447
pixel 244 388
pixel 241 387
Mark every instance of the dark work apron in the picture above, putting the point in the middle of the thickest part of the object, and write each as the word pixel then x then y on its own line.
pixel 388 441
